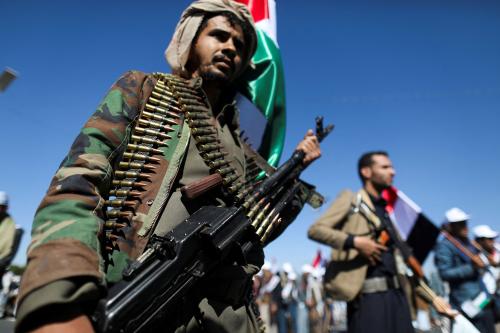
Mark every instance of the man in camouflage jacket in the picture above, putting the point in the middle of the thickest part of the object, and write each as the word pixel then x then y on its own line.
pixel 145 142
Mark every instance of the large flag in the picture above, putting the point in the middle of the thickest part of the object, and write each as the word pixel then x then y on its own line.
pixel 413 226
pixel 264 86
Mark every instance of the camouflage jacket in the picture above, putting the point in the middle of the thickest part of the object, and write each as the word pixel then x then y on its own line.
pixel 67 230
pixel 67 225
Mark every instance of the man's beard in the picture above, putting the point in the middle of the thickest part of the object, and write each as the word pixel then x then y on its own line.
pixel 380 186
pixel 215 77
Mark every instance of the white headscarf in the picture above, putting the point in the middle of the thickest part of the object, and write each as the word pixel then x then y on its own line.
pixel 177 52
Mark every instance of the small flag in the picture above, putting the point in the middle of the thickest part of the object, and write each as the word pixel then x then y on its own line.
pixel 317 260
pixel 413 226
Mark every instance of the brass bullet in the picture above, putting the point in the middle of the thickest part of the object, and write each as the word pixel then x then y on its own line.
pixel 162 110
pixel 209 147
pixel 255 208
pixel 229 179
pixel 124 193
pixel 217 164
pixel 269 231
pixel 155 124
pixel 199 123
pixel 158 117
pixel 206 139
pixel 152 132
pixel 201 115
pixel 226 170
pixel 145 149
pixel 214 156
pixel 131 174
pixel 120 203
pixel 240 196
pixel 164 90
pixel 235 187
pixel 128 183
pixel 114 225
pixel 147 140
pixel 140 157
pixel 165 104
pixel 203 131
pixel 268 221
pixel 115 213
pixel 136 165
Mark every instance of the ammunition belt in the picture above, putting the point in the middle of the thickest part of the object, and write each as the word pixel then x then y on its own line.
pixel 142 155
pixel 200 121
pixel 172 101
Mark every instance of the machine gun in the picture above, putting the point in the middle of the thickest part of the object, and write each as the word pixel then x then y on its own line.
pixel 166 273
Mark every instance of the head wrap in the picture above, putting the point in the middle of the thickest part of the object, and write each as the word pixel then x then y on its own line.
pixel 177 52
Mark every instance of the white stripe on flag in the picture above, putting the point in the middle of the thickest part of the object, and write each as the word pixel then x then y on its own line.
pixel 405 214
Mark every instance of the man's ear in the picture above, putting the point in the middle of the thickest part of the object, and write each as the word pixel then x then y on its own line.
pixel 366 172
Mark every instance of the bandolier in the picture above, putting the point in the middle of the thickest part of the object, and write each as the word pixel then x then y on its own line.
pixel 174 101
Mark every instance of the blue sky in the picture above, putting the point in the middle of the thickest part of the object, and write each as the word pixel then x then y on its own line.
pixel 420 79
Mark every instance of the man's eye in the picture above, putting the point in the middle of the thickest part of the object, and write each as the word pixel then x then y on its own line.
pixel 238 44
pixel 220 35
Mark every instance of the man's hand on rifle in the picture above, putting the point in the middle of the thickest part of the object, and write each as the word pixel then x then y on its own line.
pixel 369 249
pixel 310 146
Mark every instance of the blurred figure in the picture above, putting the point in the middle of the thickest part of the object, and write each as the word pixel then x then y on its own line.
pixel 7 234
pixel 10 236
pixel 484 240
pixel 302 291
pixel 460 265
pixel 287 310
pixel 268 297
pixel 367 269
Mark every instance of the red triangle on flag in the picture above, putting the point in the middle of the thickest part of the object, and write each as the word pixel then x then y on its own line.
pixel 258 8
pixel 390 195
pixel 317 260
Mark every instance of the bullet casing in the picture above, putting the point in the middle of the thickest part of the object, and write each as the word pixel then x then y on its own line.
pixel 141 148
pixel 148 140
pixel 152 132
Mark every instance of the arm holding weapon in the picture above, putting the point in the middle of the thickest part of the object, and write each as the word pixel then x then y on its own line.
pixel 171 266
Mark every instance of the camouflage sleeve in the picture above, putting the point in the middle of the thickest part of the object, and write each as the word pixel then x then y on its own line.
pixel 68 221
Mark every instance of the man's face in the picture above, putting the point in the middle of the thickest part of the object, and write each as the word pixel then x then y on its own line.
pixel 487 243
pixel 459 229
pixel 381 173
pixel 218 52
pixel 3 209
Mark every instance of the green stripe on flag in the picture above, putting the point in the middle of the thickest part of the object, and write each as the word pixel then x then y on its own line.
pixel 265 87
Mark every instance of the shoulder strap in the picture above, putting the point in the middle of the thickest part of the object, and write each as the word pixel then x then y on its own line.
pixel 359 206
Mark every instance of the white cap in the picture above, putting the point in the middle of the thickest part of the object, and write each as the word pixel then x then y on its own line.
pixel 287 268
pixel 267 266
pixel 484 231
pixel 4 199
pixel 307 269
pixel 455 215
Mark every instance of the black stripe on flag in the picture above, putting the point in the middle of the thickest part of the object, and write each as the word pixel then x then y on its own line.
pixel 422 237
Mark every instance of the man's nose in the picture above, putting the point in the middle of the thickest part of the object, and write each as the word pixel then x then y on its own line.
pixel 229 49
